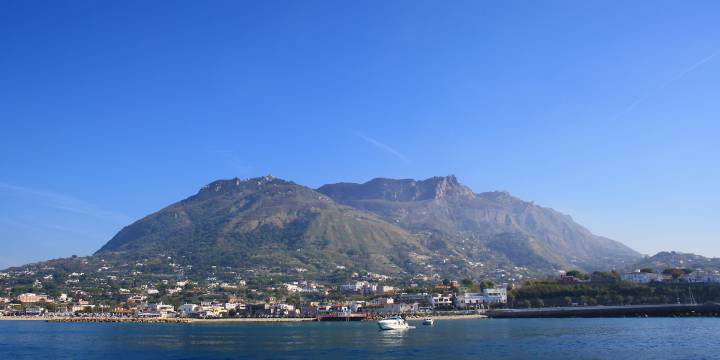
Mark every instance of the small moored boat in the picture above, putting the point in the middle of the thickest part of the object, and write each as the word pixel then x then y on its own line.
pixel 428 321
pixel 393 323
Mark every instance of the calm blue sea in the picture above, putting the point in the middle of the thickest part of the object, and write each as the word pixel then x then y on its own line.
pixel 635 338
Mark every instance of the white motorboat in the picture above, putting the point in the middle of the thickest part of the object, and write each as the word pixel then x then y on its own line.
pixel 428 321
pixel 393 323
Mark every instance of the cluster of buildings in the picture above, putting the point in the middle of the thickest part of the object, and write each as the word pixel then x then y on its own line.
pixel 703 277
pixel 366 288
pixel 305 287
pixel 646 277
pixel 39 304
pixel 383 302
pixel 641 277
pixel 401 304
pixel 215 310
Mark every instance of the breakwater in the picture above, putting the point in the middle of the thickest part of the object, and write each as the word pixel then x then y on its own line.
pixel 119 320
pixel 664 310
pixel 91 319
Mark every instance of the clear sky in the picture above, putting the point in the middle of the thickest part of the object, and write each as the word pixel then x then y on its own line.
pixel 607 111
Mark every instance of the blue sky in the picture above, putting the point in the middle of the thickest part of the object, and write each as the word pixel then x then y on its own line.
pixel 607 111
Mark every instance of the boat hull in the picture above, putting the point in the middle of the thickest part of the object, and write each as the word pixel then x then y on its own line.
pixel 392 325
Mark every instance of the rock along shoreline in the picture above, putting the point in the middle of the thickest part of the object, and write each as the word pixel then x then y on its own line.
pixel 200 321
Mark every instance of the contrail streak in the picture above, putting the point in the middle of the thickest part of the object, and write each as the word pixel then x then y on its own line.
pixel 664 85
pixel 384 147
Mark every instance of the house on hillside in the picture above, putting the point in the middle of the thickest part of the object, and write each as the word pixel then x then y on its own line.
pixel 442 301
pixel 640 277
pixel 469 301
pixel 188 310
pixel 703 277
pixel 496 295
pixel 32 298
pixel 398 308
pixel 380 301
pixel 422 299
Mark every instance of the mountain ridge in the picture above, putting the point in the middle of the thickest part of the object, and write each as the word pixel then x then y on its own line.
pixel 266 220
pixel 400 227
pixel 461 214
pixel 676 259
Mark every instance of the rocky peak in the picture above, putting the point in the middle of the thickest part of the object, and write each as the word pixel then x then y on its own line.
pixel 434 188
pixel 449 187
pixel 236 184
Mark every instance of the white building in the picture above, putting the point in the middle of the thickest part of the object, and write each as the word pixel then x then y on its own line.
pixel 639 277
pixel 442 301
pixel 156 310
pixel 188 309
pixel 469 301
pixel 703 277
pixel 398 308
pixel 137 298
pixel 234 306
pixel 380 301
pixel 496 295
pixel 356 287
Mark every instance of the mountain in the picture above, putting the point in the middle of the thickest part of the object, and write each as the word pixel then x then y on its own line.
pixel 672 259
pixel 435 228
pixel 451 219
pixel 266 222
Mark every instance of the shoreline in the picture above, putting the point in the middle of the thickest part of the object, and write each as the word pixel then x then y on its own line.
pixel 250 320
pixel 205 321
pixel 452 317
pixel 657 310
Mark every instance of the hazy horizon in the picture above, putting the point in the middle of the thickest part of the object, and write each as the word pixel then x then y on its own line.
pixel 605 113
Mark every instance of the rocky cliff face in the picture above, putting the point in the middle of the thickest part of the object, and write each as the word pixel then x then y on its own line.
pixel 453 219
pixel 398 190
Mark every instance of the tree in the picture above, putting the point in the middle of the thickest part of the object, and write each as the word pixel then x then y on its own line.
pixel 467 282
pixel 486 284
pixel 538 303
pixel 606 277
pixel 616 299
pixel 577 274
pixel 674 272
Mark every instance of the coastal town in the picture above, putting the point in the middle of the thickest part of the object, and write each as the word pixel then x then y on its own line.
pixel 37 293
pixel 358 300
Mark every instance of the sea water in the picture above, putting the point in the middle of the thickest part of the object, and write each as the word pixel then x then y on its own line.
pixel 617 338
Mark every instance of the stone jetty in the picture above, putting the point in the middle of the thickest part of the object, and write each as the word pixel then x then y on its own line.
pixel 119 320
